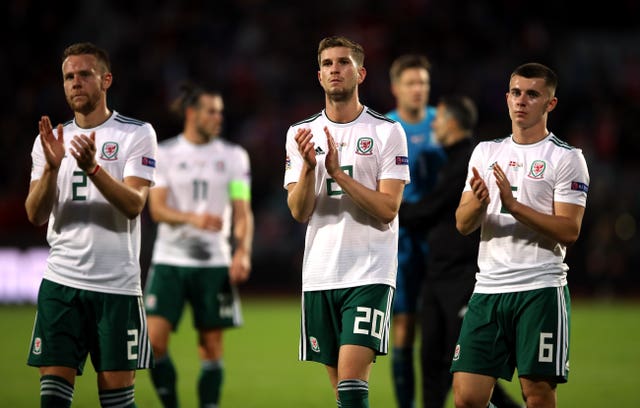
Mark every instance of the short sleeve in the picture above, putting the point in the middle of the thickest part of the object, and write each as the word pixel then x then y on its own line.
pixel 395 156
pixel 141 161
pixel 38 161
pixel 572 179
pixel 293 159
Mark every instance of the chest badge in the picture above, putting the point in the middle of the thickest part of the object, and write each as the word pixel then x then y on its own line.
pixel 364 146
pixel 109 151
pixel 537 169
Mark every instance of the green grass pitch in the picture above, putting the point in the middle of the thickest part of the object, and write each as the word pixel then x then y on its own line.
pixel 262 367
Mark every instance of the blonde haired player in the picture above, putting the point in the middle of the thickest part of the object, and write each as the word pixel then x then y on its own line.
pixel 90 179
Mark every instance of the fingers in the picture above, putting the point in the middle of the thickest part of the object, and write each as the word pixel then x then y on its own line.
pixel 501 177
pixel 478 186
pixel 83 149
pixel 60 132
pixel 46 130
pixel 330 142
pixel 303 136
pixel 44 125
pixel 306 146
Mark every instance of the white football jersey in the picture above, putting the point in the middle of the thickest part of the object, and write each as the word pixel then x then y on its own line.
pixel 94 246
pixel 512 256
pixel 198 180
pixel 345 246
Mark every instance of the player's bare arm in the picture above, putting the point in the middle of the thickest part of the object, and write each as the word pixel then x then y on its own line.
pixel 301 195
pixel 382 203
pixel 161 212
pixel 243 238
pixel 473 205
pixel 42 192
pixel 562 226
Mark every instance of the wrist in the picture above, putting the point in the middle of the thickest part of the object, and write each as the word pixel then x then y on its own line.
pixel 94 171
pixel 242 250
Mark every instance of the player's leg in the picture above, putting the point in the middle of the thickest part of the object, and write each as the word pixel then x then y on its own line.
pixel 354 368
pixel 501 398
pixel 216 306
pixel 472 390
pixel 403 371
pixel 163 374
pixel 436 347
pixel 164 303
pixel 410 269
pixel 539 393
pixel 121 346
pixel 211 366
pixel 482 353
pixel 320 333
pixel 58 343
pixel 364 335
pixel 544 362
pixel 116 389
pixel 56 386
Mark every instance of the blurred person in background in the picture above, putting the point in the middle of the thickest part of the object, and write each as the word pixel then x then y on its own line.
pixel 89 180
pixel 202 204
pixel 527 193
pixel 411 85
pixel 345 171
pixel 452 258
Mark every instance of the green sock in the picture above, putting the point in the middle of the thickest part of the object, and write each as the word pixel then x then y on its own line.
pixel 117 398
pixel 55 392
pixel 353 394
pixel 210 383
pixel 163 376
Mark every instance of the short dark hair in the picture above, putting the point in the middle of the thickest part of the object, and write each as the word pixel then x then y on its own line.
pixel 340 41
pixel 190 94
pixel 83 48
pixel 537 70
pixel 462 109
pixel 407 61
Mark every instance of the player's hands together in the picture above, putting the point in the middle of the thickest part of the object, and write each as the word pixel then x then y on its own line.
pixel 52 147
pixel 506 195
pixel 306 147
pixel 206 221
pixel 84 151
pixel 331 161
pixel 479 188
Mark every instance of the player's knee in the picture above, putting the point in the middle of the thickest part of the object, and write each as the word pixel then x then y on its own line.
pixel 538 393
pixel 540 400
pixel 159 349
pixel 465 400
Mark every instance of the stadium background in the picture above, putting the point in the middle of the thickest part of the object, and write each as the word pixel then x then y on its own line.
pixel 262 56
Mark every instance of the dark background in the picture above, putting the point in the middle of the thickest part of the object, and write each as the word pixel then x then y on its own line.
pixel 262 56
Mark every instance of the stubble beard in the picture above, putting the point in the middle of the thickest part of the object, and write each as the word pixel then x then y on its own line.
pixel 204 134
pixel 340 95
pixel 84 108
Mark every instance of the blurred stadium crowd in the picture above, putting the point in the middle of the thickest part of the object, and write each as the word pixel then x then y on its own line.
pixel 262 56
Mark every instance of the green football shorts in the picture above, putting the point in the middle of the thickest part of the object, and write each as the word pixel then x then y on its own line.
pixel 331 318
pixel 72 323
pixel 214 301
pixel 525 330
